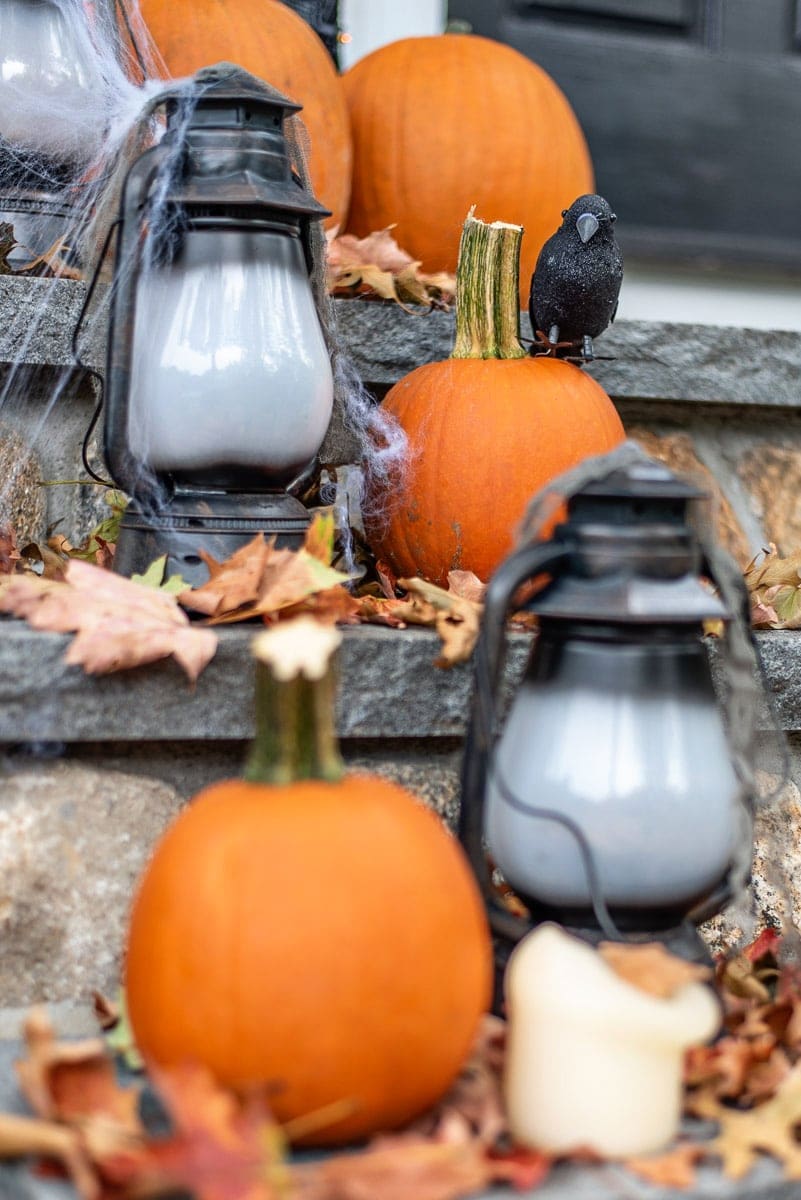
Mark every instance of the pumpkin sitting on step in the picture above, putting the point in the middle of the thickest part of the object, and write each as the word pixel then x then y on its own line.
pixel 316 933
pixel 486 429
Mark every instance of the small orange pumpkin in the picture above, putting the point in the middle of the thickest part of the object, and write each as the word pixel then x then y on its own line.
pixel 274 43
pixel 486 428
pixel 443 123
pixel 323 935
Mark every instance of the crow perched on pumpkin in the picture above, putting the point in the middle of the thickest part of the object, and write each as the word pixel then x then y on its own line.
pixel 576 282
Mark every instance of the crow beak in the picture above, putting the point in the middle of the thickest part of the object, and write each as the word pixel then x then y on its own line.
pixel 587 225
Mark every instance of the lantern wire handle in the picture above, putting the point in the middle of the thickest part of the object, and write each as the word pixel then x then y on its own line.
pixel 76 358
pixel 486 721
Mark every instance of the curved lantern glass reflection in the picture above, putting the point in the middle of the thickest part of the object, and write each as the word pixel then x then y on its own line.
pixel 47 65
pixel 230 368
pixel 614 798
pixel 627 740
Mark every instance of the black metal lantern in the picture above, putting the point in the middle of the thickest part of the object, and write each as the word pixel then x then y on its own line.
pixel 614 800
pixel 219 381
pixel 51 118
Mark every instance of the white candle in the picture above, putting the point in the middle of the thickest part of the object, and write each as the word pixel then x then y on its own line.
pixel 591 1060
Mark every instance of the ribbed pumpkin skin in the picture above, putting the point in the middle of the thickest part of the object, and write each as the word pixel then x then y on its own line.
pixel 484 436
pixel 325 937
pixel 273 42
pixel 443 123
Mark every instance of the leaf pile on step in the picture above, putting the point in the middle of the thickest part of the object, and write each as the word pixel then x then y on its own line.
pixel 50 263
pixel 122 623
pixel 121 1137
pixel 774 586
pixel 376 267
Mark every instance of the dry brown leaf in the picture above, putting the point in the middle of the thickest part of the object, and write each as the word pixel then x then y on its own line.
pixel 117 623
pixel 771 570
pixel 768 1128
pixel 378 248
pixel 466 585
pixel 376 264
pixel 70 1081
pixel 222 1148
pixel 456 619
pixel 652 968
pixel 9 552
pixel 673 1169
pixel 29 1136
pixel 259 580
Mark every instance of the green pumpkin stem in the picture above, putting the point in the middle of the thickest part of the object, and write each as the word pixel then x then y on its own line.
pixel 295 703
pixel 487 278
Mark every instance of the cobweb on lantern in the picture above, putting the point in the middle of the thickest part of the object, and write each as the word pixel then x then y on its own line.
pixel 757 743
pixel 81 98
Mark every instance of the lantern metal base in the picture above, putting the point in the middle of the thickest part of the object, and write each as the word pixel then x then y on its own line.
pixel 217 523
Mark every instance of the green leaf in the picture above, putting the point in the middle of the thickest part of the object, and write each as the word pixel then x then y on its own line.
pixel 154 578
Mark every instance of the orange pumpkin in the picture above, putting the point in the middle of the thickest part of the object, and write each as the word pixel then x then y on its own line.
pixel 486 429
pixel 273 42
pixel 443 123
pixel 325 937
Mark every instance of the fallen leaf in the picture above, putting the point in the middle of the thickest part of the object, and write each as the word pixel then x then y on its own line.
pixel 9 553
pixel 456 619
pixel 98 547
pixel 769 1128
pixel 377 265
pixel 319 539
pixel 652 968
pixel 27 1136
pixel 221 1148
pixel 118 624
pixel 71 1081
pixel 153 577
pixel 408 1165
pixel 673 1169
pixel 466 585
pixel 259 580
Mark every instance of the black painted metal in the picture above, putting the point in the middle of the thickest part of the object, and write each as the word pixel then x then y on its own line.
pixel 629 528
pixel 236 175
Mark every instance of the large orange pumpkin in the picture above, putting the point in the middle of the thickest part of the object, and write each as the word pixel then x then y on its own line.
pixel 443 123
pixel 323 937
pixel 273 42
pixel 486 429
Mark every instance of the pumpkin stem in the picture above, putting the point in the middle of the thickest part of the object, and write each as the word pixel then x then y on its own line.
pixel 487 277
pixel 295 698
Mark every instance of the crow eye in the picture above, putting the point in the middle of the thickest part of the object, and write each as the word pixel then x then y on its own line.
pixel 613 217
pixel 564 212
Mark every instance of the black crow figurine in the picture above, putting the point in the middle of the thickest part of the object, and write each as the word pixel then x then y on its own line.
pixel 576 282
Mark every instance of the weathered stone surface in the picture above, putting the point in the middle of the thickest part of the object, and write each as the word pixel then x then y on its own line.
pixel 390 688
pixel 433 778
pixel 37 320
pixel 772 476
pixel 678 452
pixel 72 843
pixel 774 895
pixel 22 498
pixel 647 360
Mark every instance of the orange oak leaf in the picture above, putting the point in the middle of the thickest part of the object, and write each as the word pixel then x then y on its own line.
pixel 769 1128
pixel 9 552
pixel 652 968
pixel 70 1081
pixel 258 580
pixel 118 623
pixel 221 1148
pixel 673 1169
